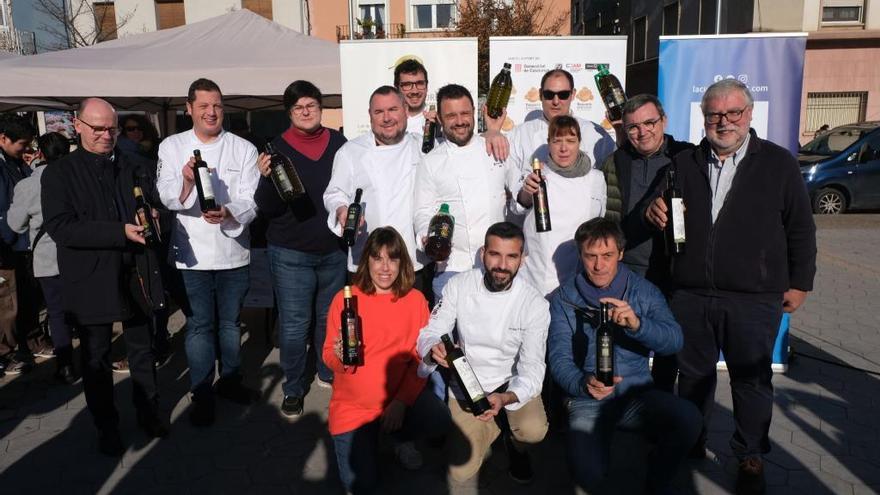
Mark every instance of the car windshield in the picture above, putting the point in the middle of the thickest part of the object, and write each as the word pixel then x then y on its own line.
pixel 832 142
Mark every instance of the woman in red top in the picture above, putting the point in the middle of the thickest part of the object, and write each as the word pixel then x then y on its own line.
pixel 384 394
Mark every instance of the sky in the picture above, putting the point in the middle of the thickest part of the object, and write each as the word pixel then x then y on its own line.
pixel 26 17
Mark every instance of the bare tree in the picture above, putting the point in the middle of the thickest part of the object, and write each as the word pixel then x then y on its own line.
pixel 76 23
pixel 485 18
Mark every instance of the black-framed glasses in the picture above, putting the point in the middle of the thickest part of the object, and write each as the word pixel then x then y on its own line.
pixel 563 95
pixel 99 129
pixel 648 125
pixel 732 116
pixel 408 85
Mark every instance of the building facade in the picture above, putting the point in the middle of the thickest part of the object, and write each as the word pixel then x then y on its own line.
pixel 841 75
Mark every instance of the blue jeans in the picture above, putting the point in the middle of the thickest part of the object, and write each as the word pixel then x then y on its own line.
pixel 208 291
pixel 357 451
pixel 305 284
pixel 673 424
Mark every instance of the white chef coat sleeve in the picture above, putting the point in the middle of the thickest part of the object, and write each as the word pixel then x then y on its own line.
pixel 605 145
pixel 426 201
pixel 442 321
pixel 169 179
pixel 340 189
pixel 531 362
pixel 241 207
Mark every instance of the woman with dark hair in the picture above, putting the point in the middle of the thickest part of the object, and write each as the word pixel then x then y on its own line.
pixel 307 261
pixel 575 192
pixel 384 394
pixel 26 215
pixel 138 136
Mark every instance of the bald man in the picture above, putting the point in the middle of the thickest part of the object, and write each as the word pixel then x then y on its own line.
pixel 107 272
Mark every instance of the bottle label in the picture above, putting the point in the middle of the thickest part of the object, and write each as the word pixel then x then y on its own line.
pixel 282 180
pixel 442 230
pixel 468 379
pixel 207 186
pixel 352 335
pixel 606 363
pixel 614 97
pixel 678 234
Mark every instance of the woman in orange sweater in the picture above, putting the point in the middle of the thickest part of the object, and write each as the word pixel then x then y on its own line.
pixel 384 394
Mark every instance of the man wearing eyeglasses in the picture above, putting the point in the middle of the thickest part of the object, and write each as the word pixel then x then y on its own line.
pixel 411 79
pixel 107 274
pixel 631 175
pixel 750 255
pixel 529 139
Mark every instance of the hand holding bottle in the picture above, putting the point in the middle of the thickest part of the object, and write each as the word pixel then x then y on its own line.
pixel 189 177
pixel 438 354
pixel 216 216
pixel 656 213
pixel 264 163
pixel 497 400
pixel 531 185
pixel 622 314
pixel 134 233
pixel 599 390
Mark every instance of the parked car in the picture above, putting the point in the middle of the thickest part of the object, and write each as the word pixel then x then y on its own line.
pixel 842 168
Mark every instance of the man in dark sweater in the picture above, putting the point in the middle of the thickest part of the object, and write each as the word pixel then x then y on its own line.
pixel 751 254
pixel 631 175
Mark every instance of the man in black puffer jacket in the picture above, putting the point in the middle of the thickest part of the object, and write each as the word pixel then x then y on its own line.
pixel 107 273
pixel 750 255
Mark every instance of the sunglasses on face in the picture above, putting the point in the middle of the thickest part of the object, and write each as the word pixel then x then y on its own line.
pixel 563 95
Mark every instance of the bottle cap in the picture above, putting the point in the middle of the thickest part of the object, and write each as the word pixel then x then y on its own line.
pixel 444 208
pixel 138 192
pixel 346 292
pixel 536 164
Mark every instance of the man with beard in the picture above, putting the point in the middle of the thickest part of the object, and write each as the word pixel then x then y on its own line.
pixel 501 325
pixel 460 174
pixel 411 79
pixel 383 164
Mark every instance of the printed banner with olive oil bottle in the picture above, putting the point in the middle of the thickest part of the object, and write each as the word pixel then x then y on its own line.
pixel 531 56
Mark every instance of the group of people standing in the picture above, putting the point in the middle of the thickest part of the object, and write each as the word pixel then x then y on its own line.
pixel 514 299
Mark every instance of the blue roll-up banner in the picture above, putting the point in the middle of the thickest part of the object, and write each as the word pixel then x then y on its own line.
pixel 770 64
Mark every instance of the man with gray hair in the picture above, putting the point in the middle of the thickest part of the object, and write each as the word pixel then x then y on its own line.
pixel 751 254
pixel 383 163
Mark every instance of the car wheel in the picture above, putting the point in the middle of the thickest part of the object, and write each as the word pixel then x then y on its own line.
pixel 829 202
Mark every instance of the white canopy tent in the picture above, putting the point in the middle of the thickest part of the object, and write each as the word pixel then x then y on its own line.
pixel 251 58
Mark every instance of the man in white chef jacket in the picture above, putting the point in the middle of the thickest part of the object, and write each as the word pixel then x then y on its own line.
pixel 383 163
pixel 211 248
pixel 501 323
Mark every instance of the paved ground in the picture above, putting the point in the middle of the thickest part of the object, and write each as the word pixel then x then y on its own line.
pixel 824 433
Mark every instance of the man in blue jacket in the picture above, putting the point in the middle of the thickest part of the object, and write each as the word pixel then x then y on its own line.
pixel 642 322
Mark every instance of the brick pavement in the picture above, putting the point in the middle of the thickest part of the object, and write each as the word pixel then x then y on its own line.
pixel 824 433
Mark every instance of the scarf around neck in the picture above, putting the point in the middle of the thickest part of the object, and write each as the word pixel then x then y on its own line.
pixel 579 168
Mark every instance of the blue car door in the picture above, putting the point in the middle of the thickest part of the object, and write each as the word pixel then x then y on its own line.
pixel 867 180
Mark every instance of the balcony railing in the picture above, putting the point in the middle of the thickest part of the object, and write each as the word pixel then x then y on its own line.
pixel 368 32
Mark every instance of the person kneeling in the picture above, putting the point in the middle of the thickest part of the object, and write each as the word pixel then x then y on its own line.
pixel 501 323
pixel 641 322
pixel 381 391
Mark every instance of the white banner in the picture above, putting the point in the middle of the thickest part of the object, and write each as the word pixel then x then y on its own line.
pixel 368 64
pixel 530 57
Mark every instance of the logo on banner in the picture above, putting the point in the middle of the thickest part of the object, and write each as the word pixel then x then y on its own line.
pixel 574 68
pixel 517 67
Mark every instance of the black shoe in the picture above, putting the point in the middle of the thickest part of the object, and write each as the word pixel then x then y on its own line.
pixel 231 389
pixel 16 365
pixel 110 442
pixel 520 469
pixel 291 406
pixel 202 412
pixel 750 477
pixel 66 374
pixel 152 425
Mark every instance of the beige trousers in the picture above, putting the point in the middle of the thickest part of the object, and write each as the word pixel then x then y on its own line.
pixel 471 438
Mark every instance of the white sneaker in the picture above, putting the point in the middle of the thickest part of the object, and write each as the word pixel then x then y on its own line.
pixel 408 456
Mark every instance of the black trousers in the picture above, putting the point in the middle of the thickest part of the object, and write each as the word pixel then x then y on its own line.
pixel 744 328
pixel 96 341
